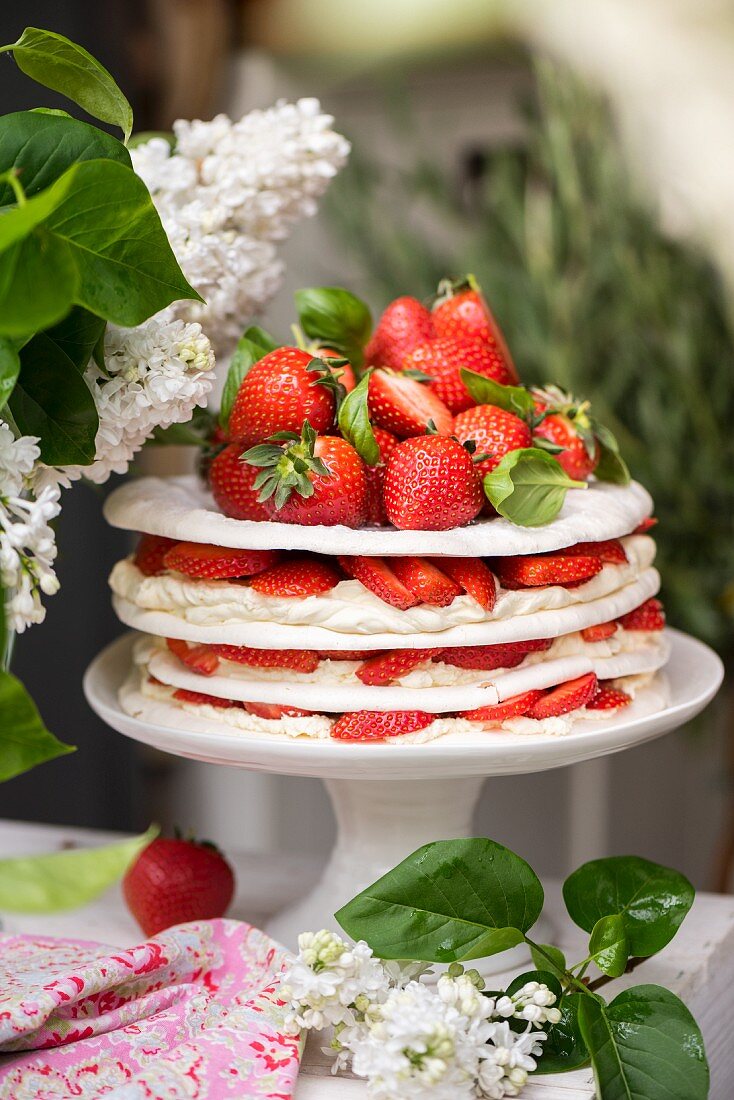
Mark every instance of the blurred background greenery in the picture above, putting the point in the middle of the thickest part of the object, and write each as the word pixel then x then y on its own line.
pixel 592 294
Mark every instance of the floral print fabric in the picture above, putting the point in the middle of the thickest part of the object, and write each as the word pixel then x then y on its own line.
pixel 193 1013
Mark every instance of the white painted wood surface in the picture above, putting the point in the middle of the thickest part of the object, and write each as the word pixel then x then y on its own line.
pixel 698 965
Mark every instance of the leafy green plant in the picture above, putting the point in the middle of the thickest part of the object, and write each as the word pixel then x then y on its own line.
pixel 591 292
pixel 458 900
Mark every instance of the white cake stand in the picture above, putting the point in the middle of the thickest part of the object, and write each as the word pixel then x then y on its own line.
pixel 389 799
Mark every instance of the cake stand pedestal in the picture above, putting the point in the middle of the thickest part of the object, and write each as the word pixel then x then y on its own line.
pixel 389 799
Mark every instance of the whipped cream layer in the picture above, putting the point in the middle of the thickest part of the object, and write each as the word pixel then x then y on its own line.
pixel 435 687
pixel 221 611
pixel 154 703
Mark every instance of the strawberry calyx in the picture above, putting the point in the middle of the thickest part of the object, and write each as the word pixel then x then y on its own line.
pixel 287 459
pixel 449 288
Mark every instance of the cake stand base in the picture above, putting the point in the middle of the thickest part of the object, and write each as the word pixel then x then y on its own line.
pixel 379 823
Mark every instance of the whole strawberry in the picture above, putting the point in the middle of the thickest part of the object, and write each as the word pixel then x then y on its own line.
pixel 404 324
pixel 232 483
pixel 495 432
pixel 461 311
pixel 279 392
pixel 310 479
pixel 375 476
pixel 579 453
pixel 431 484
pixel 173 881
pixel 443 359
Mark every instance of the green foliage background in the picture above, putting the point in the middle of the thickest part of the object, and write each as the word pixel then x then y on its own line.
pixel 592 295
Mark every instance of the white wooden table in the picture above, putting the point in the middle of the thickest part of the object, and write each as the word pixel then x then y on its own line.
pixel 698 965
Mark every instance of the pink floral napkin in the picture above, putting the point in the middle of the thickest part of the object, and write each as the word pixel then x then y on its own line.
pixel 193 1013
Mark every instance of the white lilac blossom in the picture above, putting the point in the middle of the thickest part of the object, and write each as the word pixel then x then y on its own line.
pixel 331 982
pixel 27 541
pixel 532 1002
pixel 155 375
pixel 507 1059
pixel 228 192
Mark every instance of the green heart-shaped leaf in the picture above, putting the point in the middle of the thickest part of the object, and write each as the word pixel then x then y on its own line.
pixel 652 900
pixel 449 901
pixel 528 487
pixel 77 335
pixel 564 1049
pixel 67 879
pixel 56 63
pixel 355 424
pixel 336 318
pixel 40 147
pixel 24 739
pixel 38 283
pixel 547 957
pixel 19 221
pixel 645 1044
pixel 486 391
pixel 51 400
pixel 608 945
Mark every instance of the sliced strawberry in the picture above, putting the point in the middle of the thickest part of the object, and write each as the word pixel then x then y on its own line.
pixel 566 697
pixel 376 725
pixel 150 552
pixel 516 707
pixel 648 616
pixel 473 575
pixel 272 711
pixel 543 569
pixel 487 657
pixel 375 475
pixel 425 581
pixel 599 632
pixel 610 551
pixel 647 523
pixel 405 407
pixel 198 559
pixel 390 666
pixel 296 578
pixel 199 658
pixel 609 698
pixel 348 654
pixel 185 696
pixel 296 660
pixel 376 575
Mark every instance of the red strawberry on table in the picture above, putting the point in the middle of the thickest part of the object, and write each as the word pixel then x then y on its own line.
pixel 516 707
pixel 386 667
pixel 199 658
pixel 609 698
pixel 173 881
pixel 461 311
pixel 404 324
pixel 232 483
pixel 150 552
pixel 494 431
pixel 295 660
pixel 296 578
pixel 530 570
pixel 425 581
pixel 431 484
pixel 476 579
pixel 199 559
pixel 566 697
pixel 309 479
pixel 375 476
pixel 648 616
pixel 376 725
pixel 443 360
pixel 404 406
pixel 377 575
pixel 279 392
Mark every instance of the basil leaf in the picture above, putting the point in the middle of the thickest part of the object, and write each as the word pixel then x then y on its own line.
pixel 66 879
pixel 56 63
pixel 449 901
pixel 24 739
pixel 528 487
pixel 127 270
pixel 51 400
pixel 40 147
pixel 549 958
pixel 608 945
pixel 611 466
pixel 486 391
pixel 564 1049
pixel 652 900
pixel 9 368
pixel 355 425
pixel 644 1044
pixel 336 318
pixel 245 355
pixel 38 281
pixel 77 336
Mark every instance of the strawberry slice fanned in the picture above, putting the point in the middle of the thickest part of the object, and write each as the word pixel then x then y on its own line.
pixel 599 632
pixel 535 570
pixel 610 551
pixel 648 616
pixel 385 668
pixel 376 725
pixel 427 583
pixel 294 660
pixel 200 699
pixel 199 658
pixel 609 697
pixel 476 579
pixel 487 657
pixel 516 707
pixel 274 712
pixel 569 696
pixel 377 576
pixel 198 559
pixel 150 552
pixel 296 578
